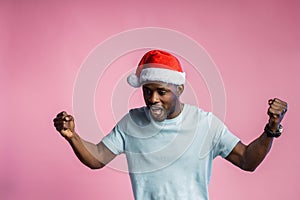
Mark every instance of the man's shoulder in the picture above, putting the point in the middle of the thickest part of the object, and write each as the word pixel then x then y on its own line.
pixel 138 116
pixel 193 109
pixel 137 110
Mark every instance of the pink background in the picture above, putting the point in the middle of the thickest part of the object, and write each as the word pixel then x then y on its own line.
pixel 255 44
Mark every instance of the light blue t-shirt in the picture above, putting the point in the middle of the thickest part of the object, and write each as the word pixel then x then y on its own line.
pixel 170 159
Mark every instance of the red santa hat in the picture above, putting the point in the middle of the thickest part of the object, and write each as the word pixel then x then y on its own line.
pixel 157 65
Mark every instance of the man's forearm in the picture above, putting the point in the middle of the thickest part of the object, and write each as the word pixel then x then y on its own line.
pixel 256 151
pixel 85 152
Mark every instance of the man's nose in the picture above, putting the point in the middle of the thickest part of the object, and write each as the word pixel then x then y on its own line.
pixel 154 98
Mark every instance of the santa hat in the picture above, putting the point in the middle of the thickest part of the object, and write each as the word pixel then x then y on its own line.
pixel 157 65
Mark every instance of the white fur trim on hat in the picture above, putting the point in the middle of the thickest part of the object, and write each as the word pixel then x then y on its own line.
pixel 156 74
pixel 133 80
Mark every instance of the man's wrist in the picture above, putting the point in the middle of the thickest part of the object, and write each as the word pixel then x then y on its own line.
pixel 71 137
pixel 271 133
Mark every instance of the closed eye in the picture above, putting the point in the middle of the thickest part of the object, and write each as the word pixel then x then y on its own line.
pixel 146 91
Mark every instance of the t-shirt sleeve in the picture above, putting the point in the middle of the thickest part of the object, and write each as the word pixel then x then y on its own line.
pixel 226 143
pixel 114 141
pixel 226 140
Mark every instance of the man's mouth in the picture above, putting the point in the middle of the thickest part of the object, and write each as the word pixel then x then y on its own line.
pixel 157 112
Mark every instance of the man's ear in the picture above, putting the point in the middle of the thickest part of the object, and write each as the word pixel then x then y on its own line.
pixel 180 89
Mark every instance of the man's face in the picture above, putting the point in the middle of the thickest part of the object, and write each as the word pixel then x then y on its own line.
pixel 162 99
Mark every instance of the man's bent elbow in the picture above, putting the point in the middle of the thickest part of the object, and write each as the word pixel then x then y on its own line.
pixel 248 168
pixel 95 166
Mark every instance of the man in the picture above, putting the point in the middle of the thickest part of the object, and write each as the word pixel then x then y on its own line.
pixel 170 145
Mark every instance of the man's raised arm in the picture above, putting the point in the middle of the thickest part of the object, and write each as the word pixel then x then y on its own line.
pixel 91 155
pixel 248 157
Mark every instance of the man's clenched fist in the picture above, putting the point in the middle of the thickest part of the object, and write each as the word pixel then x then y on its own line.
pixel 64 124
pixel 276 111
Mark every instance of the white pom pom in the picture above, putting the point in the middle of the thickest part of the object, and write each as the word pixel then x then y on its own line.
pixel 133 80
